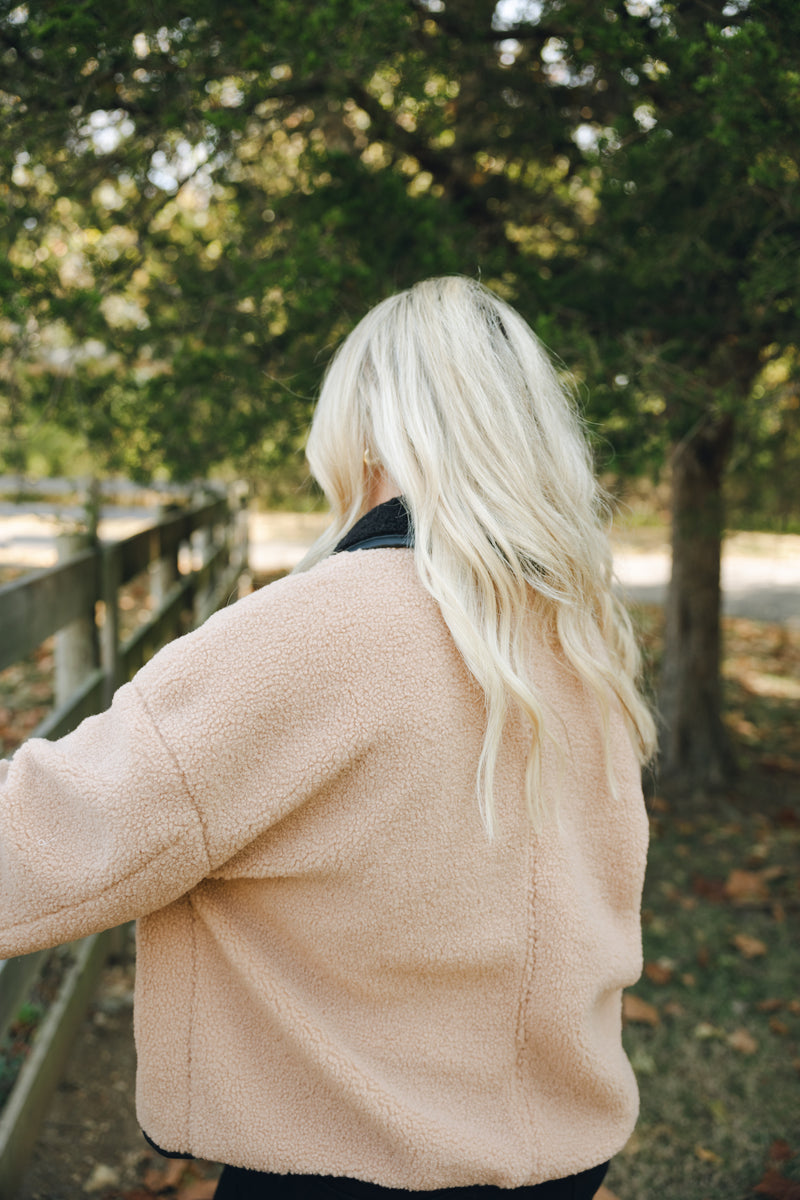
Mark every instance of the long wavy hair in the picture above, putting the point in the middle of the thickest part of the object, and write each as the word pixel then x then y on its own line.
pixel 446 390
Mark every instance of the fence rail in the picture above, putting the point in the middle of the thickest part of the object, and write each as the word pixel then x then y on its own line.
pixel 194 558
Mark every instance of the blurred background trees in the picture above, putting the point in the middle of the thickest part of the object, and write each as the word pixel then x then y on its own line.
pixel 197 202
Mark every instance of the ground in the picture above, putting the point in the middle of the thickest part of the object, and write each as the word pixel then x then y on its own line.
pixel 91 1144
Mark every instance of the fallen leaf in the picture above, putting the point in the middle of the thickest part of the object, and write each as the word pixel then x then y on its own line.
pixel 778 1026
pixel 780 762
pixel 103 1176
pixel 703 956
pixel 769 1006
pixel 160 1181
pixel 605 1194
pixel 639 1011
pixel 200 1189
pixel 706 1155
pixel 774 1185
pixel 794 1007
pixel 778 912
pixel 749 947
pixel 688 980
pixel 780 1151
pixel 708 889
pixel 658 972
pixel 743 1041
pixel 674 1009
pixel 705 1030
pixel 742 886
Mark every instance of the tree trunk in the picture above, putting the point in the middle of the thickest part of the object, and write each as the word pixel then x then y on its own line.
pixel 695 756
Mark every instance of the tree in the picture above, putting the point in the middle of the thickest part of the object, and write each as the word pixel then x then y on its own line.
pixel 201 207
pixel 694 246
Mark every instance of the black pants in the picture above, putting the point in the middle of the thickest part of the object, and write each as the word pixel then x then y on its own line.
pixel 237 1184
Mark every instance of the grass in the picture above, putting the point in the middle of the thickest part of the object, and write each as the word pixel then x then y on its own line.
pixel 718 1058
pixel 716 1050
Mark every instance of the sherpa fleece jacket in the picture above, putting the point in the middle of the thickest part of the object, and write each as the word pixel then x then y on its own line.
pixel 338 972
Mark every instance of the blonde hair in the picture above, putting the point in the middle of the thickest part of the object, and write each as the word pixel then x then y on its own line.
pixel 447 390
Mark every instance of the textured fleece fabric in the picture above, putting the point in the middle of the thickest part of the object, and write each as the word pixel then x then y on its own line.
pixel 338 973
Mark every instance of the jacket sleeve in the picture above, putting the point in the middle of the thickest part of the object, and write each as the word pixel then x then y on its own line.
pixel 219 736
pixel 95 829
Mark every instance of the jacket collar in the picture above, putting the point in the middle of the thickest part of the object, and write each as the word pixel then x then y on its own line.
pixel 391 517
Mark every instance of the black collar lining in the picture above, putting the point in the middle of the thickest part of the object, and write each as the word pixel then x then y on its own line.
pixel 390 520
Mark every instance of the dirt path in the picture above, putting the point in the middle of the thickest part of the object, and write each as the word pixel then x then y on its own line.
pixel 760 573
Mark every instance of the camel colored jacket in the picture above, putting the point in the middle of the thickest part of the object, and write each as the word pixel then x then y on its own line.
pixel 338 972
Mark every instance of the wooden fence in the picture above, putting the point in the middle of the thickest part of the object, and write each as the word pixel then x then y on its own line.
pixel 194 558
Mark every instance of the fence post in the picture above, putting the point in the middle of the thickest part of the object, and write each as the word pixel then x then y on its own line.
pixel 76 649
pixel 111 578
pixel 241 518
pixel 163 568
pixel 203 545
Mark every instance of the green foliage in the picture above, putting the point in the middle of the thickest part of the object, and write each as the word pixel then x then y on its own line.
pixel 198 206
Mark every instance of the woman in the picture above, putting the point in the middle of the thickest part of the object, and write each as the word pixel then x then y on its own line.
pixel 381 821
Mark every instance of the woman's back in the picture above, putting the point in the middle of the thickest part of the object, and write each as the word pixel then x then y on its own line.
pixel 396 996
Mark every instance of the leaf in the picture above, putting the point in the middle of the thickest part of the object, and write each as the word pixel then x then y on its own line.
pixel 780 1151
pixel 778 1026
pixel 658 972
pixel 744 886
pixel 706 1030
pixel 774 1185
pixel 638 1011
pixel 743 1041
pixel 749 947
pixel 673 1008
pixel 102 1177
pixel 161 1181
pixel 708 889
pixel 706 1155
pixel 200 1189
pixel 605 1194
